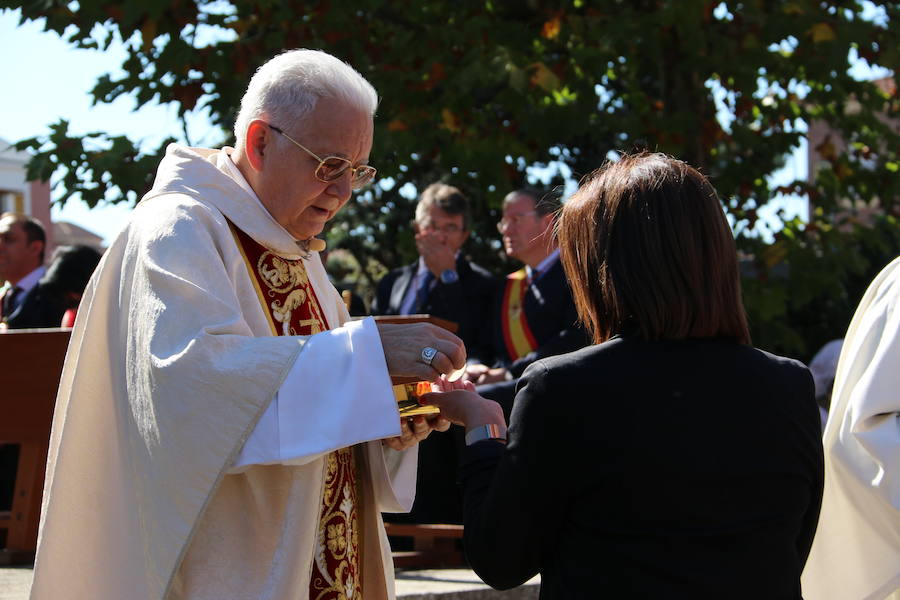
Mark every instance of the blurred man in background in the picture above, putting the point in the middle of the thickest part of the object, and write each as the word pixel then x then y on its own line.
pixel 25 304
pixel 441 283
pixel 534 315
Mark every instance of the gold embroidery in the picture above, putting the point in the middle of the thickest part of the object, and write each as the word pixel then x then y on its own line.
pixel 313 325
pixel 288 298
pixel 285 276
pixel 280 274
pixel 282 312
pixel 336 572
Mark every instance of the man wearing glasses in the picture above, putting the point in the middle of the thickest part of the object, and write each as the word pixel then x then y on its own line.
pixel 534 313
pixel 442 283
pixel 222 430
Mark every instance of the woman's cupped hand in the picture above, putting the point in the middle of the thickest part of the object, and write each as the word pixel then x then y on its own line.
pixel 461 404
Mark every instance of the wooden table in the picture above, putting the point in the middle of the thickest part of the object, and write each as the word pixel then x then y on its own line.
pixel 32 361
pixel 434 546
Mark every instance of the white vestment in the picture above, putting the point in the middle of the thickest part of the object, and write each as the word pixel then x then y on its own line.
pixel 171 365
pixel 856 551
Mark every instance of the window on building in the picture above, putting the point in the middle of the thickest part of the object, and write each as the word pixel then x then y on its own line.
pixel 12 201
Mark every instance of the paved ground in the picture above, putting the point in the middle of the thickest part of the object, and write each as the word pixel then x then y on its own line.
pixel 456 584
pixel 436 584
pixel 14 583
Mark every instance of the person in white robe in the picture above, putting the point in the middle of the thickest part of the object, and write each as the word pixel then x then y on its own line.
pixel 856 551
pixel 209 403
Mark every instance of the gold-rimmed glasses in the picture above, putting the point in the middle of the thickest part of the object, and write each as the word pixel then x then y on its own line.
pixel 333 167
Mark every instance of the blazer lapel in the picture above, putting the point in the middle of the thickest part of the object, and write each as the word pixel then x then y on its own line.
pixel 401 284
pixel 462 266
pixel 20 311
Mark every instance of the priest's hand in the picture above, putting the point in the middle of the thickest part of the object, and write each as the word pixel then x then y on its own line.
pixel 415 429
pixel 403 345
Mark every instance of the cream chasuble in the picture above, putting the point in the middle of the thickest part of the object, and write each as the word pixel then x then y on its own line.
pixel 171 364
pixel 856 551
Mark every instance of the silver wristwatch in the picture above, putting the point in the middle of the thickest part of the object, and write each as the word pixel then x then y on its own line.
pixel 486 432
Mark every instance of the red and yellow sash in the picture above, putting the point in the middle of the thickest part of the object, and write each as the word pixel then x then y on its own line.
pixel 290 302
pixel 516 333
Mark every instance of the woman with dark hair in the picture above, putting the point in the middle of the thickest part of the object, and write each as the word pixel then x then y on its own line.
pixel 70 269
pixel 670 459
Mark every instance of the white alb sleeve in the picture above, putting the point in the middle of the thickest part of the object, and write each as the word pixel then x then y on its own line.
pixel 338 393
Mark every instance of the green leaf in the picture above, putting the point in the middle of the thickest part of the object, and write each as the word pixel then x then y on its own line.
pixel 606 76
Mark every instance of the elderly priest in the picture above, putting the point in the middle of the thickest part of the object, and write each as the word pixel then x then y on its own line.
pixel 222 430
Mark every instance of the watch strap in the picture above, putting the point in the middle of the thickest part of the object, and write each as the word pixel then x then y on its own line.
pixel 491 431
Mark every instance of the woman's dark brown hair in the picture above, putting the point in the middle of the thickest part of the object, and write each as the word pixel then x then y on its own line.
pixel 646 248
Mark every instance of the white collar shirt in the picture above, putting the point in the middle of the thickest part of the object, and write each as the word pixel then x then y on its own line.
pixel 26 284
pixel 542 267
pixel 408 306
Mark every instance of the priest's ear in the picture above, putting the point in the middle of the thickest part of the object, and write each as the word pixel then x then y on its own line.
pixel 259 138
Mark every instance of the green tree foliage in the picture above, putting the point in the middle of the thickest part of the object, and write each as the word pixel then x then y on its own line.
pixel 476 93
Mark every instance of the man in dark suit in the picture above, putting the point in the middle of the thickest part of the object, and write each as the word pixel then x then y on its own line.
pixel 534 313
pixel 444 284
pixel 25 303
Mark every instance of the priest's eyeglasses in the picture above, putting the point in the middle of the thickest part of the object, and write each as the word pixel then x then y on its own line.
pixel 332 168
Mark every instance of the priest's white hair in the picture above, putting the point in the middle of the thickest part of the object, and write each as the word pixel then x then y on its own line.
pixel 286 89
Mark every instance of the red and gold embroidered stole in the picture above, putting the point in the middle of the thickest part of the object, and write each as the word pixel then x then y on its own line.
pixel 516 334
pixel 290 302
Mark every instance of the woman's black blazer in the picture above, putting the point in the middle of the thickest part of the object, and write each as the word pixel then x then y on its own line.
pixel 635 469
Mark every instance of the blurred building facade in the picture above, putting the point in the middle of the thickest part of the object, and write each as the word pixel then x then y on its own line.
pixel 17 194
